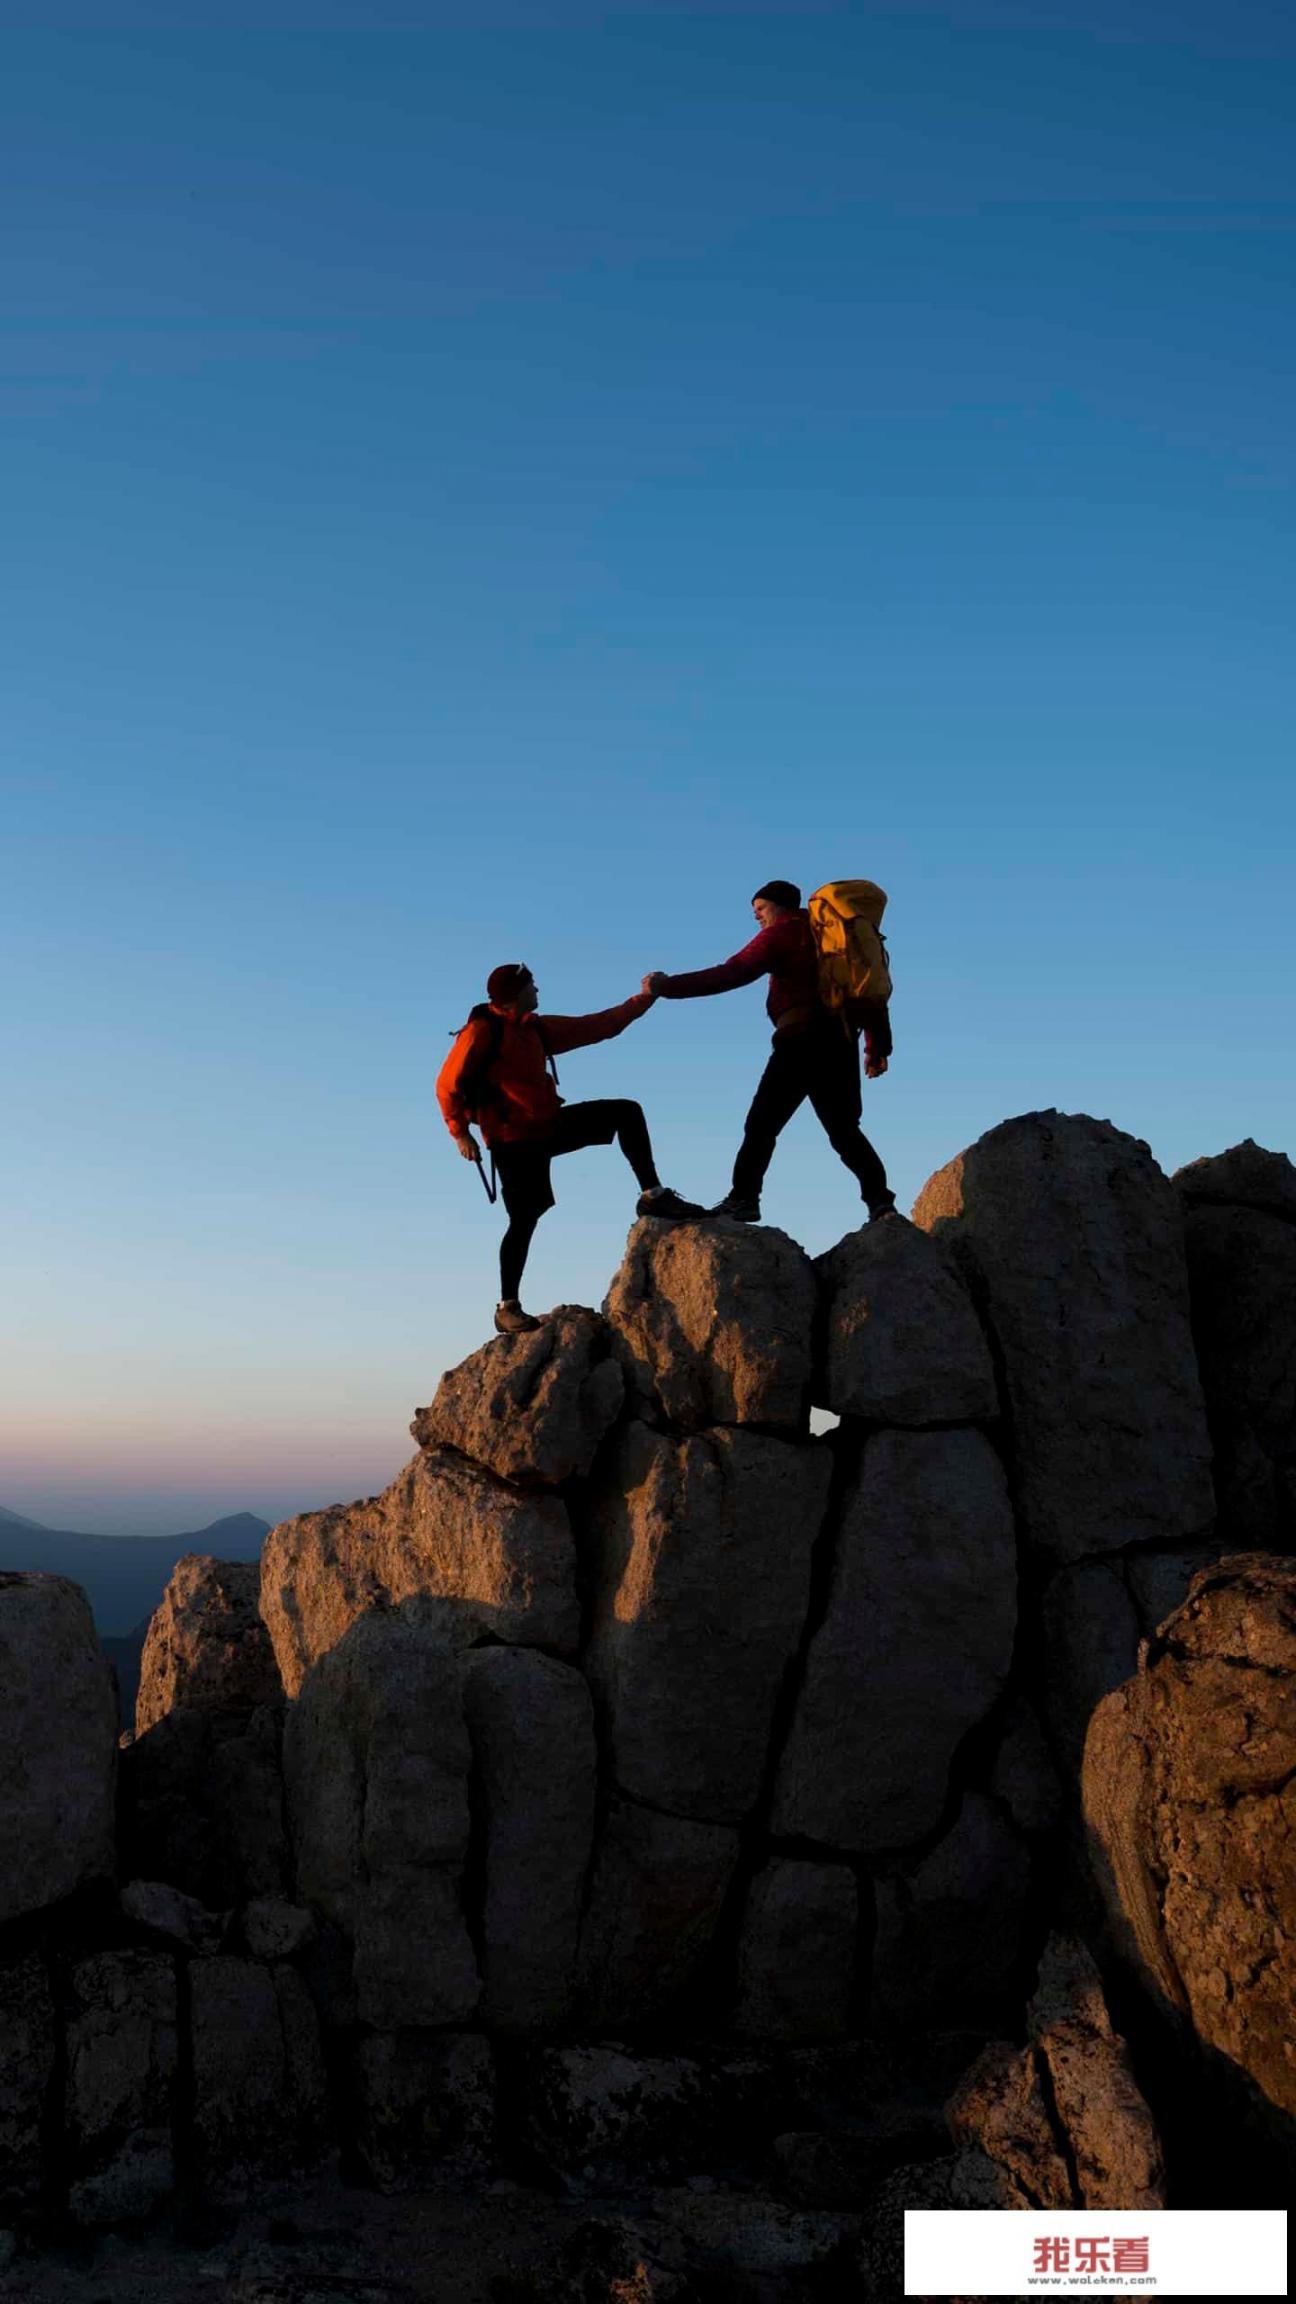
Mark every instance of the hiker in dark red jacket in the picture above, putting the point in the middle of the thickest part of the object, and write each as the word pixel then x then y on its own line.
pixel 500 1072
pixel 815 1053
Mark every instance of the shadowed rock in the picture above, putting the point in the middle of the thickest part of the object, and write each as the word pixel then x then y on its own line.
pixel 714 1324
pixel 202 1806
pixel 903 1344
pixel 700 1555
pixel 206 1649
pixel 1091 1636
pixel 445 1529
pixel 376 1760
pixel 535 1765
pixel 915 1645
pixel 797 1948
pixel 58 1739
pixel 1242 1274
pixel 422 2107
pixel 534 1407
pixel 121 2082
pixel 949 1931
pixel 655 1896
pixel 27 2048
pixel 1071 1240
pixel 1188 1774
pixel 260 2093
pixel 1246 1176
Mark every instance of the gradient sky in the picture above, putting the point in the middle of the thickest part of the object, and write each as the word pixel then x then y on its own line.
pixel 506 484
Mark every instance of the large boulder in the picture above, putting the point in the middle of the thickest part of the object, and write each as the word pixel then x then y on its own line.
pixel 699 1551
pixel 1242 1275
pixel 202 1805
pixel 58 1741
pixel 1071 1240
pixel 445 1530
pixel 902 1342
pixel 27 2051
pixel 376 1763
pixel 914 1647
pixel 798 1944
pixel 950 1928
pixel 532 1408
pixel 260 2097
pixel 206 1648
pixel 714 1323
pixel 535 1767
pixel 120 2089
pixel 655 1896
pixel 1188 1776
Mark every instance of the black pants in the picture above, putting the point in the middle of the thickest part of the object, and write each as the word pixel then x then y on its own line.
pixel 523 1170
pixel 821 1062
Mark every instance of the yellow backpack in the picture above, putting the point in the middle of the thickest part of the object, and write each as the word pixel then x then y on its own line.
pixel 845 920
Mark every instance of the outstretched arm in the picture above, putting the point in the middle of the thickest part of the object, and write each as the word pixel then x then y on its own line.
pixel 564 1032
pixel 754 960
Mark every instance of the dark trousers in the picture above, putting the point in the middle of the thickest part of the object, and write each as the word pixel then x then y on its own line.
pixel 821 1062
pixel 526 1187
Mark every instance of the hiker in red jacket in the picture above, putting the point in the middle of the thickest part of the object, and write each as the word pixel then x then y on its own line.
pixel 500 1072
pixel 815 1053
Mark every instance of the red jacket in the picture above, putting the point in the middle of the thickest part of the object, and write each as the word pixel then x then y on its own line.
pixel 518 1098
pixel 786 953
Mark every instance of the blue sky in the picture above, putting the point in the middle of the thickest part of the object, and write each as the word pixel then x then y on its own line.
pixel 503 487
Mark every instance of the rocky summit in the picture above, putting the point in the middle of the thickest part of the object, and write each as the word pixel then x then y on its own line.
pixel 653 1843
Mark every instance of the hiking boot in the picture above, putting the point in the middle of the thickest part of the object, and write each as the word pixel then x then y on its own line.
pixel 740 1206
pixel 511 1320
pixel 664 1203
pixel 882 1208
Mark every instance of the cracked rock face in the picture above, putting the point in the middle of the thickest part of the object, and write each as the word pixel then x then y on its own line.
pixel 531 1408
pixel 207 1649
pixel 1071 1240
pixel 914 1647
pixel 700 1553
pixel 1190 1806
pixel 446 1529
pixel 714 1325
pixel 59 1744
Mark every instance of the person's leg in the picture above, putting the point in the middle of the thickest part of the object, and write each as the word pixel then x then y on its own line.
pixel 781 1089
pixel 837 1102
pixel 526 1191
pixel 608 1120
pixel 619 1120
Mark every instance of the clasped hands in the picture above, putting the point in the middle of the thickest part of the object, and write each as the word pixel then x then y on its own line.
pixel 653 981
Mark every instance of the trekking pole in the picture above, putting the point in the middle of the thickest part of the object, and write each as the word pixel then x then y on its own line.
pixel 490 1189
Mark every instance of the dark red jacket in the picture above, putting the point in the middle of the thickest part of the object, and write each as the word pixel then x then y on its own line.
pixel 520 1101
pixel 785 953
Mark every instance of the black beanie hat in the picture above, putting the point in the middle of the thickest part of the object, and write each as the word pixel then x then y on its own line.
pixel 505 982
pixel 780 892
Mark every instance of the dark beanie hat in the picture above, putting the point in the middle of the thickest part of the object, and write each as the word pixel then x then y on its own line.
pixel 504 983
pixel 780 892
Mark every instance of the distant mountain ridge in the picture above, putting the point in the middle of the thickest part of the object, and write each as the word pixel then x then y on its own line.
pixel 125 1576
